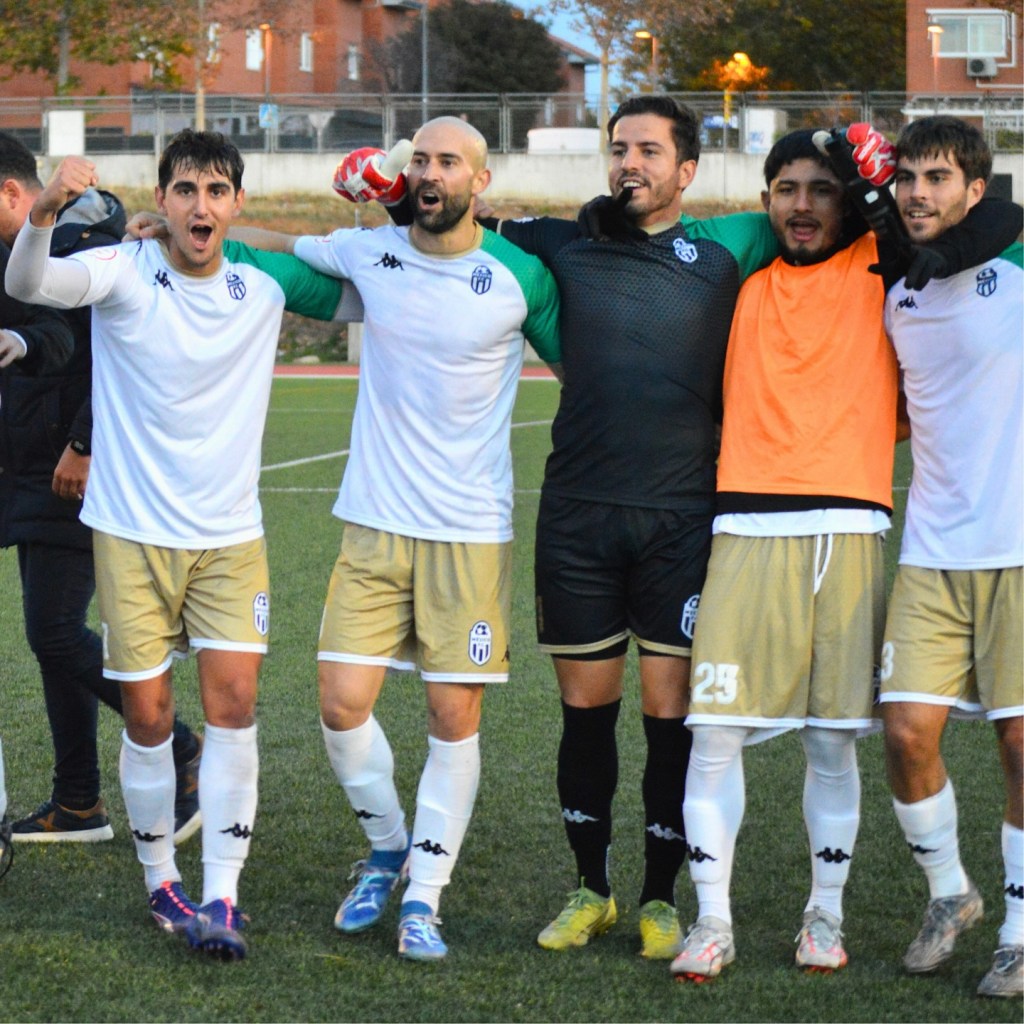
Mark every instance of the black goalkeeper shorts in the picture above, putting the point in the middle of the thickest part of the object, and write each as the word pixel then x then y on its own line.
pixel 603 572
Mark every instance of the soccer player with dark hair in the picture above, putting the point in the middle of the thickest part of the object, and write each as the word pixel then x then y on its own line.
pixel 172 498
pixel 954 639
pixel 624 526
pixel 45 446
pixel 792 610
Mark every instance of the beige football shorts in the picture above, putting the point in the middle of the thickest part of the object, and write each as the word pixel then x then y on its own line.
pixel 155 602
pixel 402 602
pixel 956 638
pixel 788 632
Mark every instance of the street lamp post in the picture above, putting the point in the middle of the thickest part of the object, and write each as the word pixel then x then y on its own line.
pixel 935 35
pixel 265 29
pixel 643 33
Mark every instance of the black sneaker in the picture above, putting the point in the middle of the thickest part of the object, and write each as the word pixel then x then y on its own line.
pixel 187 818
pixel 6 846
pixel 53 823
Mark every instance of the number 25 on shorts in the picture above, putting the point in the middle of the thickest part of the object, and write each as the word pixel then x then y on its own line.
pixel 714 683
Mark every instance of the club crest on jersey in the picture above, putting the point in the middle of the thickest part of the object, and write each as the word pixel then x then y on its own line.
pixel 686 251
pixel 481 280
pixel 261 612
pixel 480 643
pixel 689 619
pixel 986 282
pixel 236 286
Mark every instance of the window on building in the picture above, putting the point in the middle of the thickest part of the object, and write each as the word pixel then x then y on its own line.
pixel 213 43
pixel 353 62
pixel 974 34
pixel 305 52
pixel 253 49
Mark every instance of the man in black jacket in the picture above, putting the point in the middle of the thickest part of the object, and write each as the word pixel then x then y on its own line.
pixel 45 432
pixel 40 341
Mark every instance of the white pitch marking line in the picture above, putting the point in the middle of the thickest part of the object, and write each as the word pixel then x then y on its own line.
pixel 345 451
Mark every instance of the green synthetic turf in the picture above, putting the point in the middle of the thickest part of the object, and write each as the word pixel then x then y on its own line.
pixel 76 941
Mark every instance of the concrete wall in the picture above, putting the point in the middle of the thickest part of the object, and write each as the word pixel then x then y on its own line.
pixel 564 177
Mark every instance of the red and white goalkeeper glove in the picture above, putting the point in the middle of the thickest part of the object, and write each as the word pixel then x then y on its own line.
pixel 370 174
pixel 873 153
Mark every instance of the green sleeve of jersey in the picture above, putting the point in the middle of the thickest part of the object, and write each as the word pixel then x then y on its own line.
pixel 748 236
pixel 539 290
pixel 1014 254
pixel 306 291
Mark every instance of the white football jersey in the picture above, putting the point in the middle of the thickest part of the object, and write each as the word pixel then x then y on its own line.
pixel 959 343
pixel 182 370
pixel 441 358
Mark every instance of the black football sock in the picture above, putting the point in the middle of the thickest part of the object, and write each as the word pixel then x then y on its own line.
pixel 588 770
pixel 668 754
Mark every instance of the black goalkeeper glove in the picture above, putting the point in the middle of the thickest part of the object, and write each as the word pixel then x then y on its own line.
pixel 604 219
pixel 922 264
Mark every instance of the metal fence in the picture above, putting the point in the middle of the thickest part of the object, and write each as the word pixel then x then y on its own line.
pixel 318 123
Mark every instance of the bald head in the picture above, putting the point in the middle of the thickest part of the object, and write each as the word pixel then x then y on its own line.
pixel 452 134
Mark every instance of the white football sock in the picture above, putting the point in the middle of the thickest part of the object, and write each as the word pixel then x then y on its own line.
pixel 228 778
pixel 1012 931
pixel 365 767
pixel 929 826
pixel 147 782
pixel 713 811
pixel 831 812
pixel 444 805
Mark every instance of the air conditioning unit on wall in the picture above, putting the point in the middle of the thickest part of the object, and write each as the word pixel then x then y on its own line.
pixel 981 67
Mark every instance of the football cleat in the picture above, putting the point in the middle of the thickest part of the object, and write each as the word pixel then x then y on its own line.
pixel 819 943
pixel 215 930
pixel 1005 978
pixel 363 906
pixel 661 938
pixel 945 920
pixel 419 938
pixel 172 910
pixel 707 948
pixel 584 917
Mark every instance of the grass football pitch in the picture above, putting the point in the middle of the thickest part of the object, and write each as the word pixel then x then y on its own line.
pixel 76 941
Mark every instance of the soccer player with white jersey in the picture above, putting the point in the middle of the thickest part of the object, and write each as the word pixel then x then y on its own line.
pixel 423 577
pixel 954 639
pixel 184 340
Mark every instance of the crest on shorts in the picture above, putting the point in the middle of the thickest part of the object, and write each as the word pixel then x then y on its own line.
pixel 480 643
pixel 986 282
pixel 689 619
pixel 261 612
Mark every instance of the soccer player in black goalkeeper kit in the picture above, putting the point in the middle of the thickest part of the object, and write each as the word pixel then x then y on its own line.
pixel 624 528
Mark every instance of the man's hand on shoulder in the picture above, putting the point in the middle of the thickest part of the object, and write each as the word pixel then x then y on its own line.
pixel 146 225
pixel 604 219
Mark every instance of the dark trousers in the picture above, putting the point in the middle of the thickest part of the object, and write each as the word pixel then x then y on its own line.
pixel 57 584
